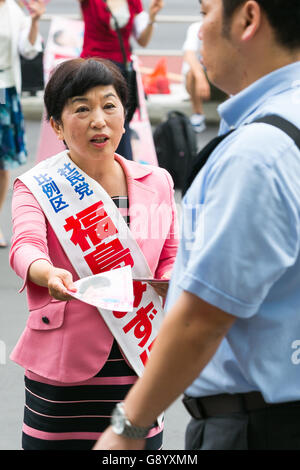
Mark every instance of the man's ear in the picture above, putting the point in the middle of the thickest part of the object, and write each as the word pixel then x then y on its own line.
pixel 251 17
pixel 57 127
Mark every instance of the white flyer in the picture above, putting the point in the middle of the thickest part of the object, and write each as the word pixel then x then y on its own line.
pixel 112 290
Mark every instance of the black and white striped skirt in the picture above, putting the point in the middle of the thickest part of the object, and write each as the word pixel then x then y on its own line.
pixel 61 416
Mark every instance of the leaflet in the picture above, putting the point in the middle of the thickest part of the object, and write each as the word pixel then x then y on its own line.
pixel 112 290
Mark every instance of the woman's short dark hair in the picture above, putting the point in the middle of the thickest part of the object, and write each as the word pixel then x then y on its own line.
pixel 75 77
pixel 283 15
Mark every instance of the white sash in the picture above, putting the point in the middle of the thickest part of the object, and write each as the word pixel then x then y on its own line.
pixel 95 238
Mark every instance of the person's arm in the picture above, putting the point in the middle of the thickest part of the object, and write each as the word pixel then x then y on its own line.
pixel 202 88
pixel 188 339
pixel 29 254
pixel 144 38
pixel 57 280
pixel 37 9
pixel 30 41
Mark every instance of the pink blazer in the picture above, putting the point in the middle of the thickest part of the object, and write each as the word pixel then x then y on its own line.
pixel 75 342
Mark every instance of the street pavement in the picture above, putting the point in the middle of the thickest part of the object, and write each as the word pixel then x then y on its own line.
pixel 13 316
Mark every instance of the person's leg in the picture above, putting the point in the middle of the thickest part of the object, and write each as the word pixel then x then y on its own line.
pixel 197 119
pixel 4 183
pixel 196 100
pixel 275 428
pixel 218 433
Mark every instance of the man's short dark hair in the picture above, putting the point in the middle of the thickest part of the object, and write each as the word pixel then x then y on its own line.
pixel 283 15
pixel 75 77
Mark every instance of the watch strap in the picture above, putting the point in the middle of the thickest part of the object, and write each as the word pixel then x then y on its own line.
pixel 123 427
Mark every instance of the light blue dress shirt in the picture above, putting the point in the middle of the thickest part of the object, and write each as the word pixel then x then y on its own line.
pixel 240 242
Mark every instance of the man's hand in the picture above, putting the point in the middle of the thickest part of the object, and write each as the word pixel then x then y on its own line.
pixel 109 440
pixel 161 288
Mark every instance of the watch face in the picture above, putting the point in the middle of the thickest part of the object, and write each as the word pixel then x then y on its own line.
pixel 118 422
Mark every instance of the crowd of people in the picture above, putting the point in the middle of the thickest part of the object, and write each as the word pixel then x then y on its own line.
pixel 222 297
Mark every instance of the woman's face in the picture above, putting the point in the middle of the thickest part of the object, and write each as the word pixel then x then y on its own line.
pixel 92 125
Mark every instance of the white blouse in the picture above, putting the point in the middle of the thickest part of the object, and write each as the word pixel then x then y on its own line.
pixel 6 72
pixel 15 28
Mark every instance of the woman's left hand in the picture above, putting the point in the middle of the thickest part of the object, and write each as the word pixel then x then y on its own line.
pixel 37 9
pixel 155 7
pixel 161 288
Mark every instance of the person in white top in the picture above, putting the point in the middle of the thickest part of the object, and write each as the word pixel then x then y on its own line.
pixel 109 27
pixel 18 35
pixel 194 76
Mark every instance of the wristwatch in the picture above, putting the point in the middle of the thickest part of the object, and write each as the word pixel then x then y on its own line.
pixel 123 427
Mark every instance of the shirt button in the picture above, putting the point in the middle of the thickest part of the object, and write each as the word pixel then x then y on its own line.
pixel 45 320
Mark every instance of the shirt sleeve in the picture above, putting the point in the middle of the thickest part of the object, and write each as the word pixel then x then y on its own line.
pixel 26 49
pixel 247 235
pixel 192 42
pixel 29 241
pixel 140 22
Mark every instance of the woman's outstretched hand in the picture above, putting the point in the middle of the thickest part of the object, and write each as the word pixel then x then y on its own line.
pixel 59 282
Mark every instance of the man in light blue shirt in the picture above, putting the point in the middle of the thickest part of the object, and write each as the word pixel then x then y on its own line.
pixel 231 338
pixel 247 260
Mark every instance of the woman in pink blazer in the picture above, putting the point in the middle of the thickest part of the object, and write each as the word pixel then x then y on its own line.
pixel 75 371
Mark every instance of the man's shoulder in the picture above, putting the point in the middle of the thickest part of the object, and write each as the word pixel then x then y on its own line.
pixel 265 139
pixel 255 147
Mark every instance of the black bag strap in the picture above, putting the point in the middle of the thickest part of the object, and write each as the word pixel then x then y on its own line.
pixel 286 126
pixel 273 119
pixel 126 65
pixel 202 158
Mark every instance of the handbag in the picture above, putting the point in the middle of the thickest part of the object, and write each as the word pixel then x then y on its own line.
pixel 129 73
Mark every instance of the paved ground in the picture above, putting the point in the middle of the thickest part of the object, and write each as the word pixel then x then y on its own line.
pixel 13 315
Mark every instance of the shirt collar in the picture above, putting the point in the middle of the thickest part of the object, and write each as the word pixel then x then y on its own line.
pixel 236 109
pixel 133 169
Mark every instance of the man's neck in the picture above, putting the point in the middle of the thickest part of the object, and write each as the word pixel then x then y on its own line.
pixel 266 64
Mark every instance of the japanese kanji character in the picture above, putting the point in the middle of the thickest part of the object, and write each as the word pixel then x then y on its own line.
pixel 83 190
pixel 50 189
pixel 42 179
pixel 142 324
pixel 66 170
pixel 74 177
pixel 144 355
pixel 96 225
pixel 109 255
pixel 138 289
pixel 58 204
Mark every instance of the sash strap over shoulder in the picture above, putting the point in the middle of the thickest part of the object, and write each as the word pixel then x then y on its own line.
pixel 96 238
